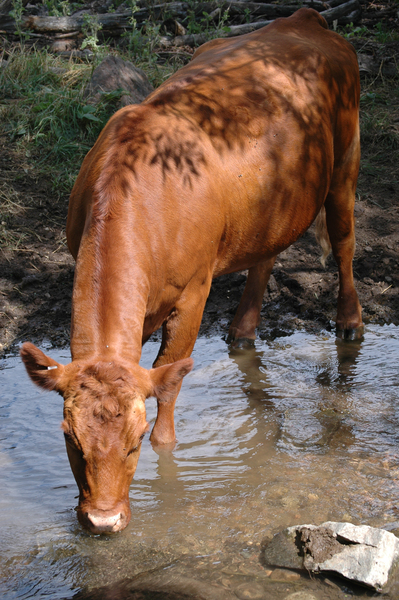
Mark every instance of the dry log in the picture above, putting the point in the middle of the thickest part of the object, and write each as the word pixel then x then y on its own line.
pixel 196 39
pixel 332 14
pixel 68 24
pixel 256 9
pixel 117 22
pixel 353 17
pixel 333 3
pixel 369 65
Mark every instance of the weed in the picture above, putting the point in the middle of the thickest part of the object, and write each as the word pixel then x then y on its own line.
pixel 10 207
pixel 247 15
pixel 350 31
pixel 91 27
pixel 46 114
pixel 372 98
pixel 151 41
pixel 206 25
pixel 142 42
pixel 383 36
pixel 133 35
pixel 16 13
pixel 377 126
pixel 58 8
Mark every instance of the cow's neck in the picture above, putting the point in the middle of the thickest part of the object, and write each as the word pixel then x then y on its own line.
pixel 109 301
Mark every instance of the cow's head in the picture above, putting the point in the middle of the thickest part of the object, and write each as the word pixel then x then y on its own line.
pixel 104 423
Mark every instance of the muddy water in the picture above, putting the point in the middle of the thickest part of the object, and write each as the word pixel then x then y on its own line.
pixel 299 429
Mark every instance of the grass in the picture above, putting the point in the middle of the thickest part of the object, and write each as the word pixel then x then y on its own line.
pixel 379 113
pixel 10 207
pixel 379 119
pixel 44 112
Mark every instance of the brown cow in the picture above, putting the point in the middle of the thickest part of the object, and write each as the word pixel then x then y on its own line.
pixel 219 170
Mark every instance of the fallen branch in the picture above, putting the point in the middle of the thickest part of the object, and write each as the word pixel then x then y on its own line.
pixel 333 14
pixel 117 22
pixel 196 39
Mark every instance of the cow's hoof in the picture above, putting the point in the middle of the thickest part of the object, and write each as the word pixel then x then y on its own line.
pixel 350 334
pixel 163 448
pixel 241 343
pixel 163 440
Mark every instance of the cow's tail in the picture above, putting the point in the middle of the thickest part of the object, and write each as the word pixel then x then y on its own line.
pixel 322 235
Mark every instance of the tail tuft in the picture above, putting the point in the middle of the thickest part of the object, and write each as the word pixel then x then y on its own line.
pixel 322 235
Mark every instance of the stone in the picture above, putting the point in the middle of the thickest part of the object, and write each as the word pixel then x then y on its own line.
pixel 250 591
pixel 359 553
pixel 63 45
pixel 112 74
pixel 367 556
pixel 283 552
pixel 284 575
pixel 302 595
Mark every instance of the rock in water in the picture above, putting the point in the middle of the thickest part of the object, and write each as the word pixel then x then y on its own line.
pixel 359 553
pixel 367 554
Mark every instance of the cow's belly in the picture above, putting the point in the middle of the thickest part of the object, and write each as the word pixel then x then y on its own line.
pixel 267 217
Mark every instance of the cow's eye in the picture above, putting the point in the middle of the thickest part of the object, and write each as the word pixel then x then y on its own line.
pixel 138 445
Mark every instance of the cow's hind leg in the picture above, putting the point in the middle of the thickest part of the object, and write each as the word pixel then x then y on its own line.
pixel 242 329
pixel 339 204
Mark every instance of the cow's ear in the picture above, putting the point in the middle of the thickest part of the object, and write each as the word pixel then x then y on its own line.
pixel 166 380
pixel 43 370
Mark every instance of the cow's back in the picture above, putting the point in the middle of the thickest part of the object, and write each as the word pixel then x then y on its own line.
pixel 231 158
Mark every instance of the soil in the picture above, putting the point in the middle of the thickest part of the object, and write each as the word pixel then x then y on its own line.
pixel 36 270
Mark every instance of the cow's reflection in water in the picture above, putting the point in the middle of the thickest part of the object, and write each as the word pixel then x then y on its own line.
pixel 327 416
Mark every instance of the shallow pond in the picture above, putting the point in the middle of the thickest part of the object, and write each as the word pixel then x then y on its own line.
pixel 301 429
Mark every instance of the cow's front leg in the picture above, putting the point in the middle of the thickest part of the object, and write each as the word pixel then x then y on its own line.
pixel 247 316
pixel 179 333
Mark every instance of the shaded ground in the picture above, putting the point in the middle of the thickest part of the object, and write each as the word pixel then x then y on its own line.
pixel 36 271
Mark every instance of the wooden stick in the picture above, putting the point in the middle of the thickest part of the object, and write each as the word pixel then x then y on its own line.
pixel 120 21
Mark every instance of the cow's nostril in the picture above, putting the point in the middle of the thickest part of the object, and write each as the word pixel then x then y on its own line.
pixel 106 523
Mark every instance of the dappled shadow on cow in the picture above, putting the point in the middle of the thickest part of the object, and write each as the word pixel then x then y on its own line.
pixel 219 170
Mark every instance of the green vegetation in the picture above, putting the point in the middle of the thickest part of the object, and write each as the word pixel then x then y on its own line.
pixel 206 24
pixel 380 33
pixel 16 13
pixel 379 115
pixel 90 30
pixel 44 111
pixel 384 35
pixel 378 119
pixel 58 8
pixel 350 31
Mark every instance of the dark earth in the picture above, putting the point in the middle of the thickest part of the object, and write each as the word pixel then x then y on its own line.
pixel 36 270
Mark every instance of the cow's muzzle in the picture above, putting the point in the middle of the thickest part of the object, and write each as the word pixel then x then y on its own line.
pixel 100 521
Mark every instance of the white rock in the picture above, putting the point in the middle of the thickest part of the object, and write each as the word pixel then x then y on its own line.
pixel 369 556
